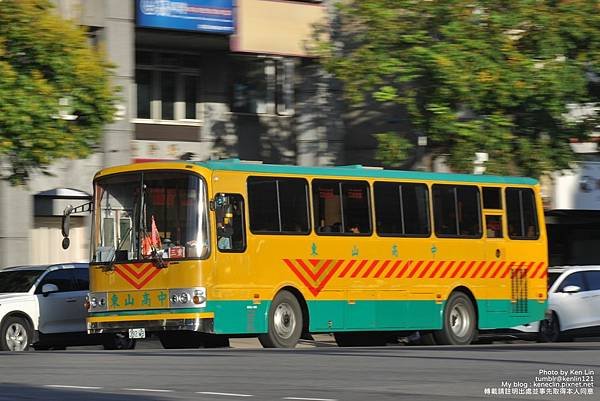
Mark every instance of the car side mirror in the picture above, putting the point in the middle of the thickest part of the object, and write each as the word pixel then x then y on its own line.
pixel 572 289
pixel 48 289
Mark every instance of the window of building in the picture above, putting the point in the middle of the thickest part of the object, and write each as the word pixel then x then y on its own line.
pixel 341 207
pixel 278 205
pixel 456 211
pixel 262 85
pixel 167 86
pixel 401 209
pixel 521 214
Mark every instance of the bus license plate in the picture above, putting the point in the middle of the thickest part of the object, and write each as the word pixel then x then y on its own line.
pixel 137 333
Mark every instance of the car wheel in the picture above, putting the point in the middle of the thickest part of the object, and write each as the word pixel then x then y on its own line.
pixel 15 334
pixel 118 341
pixel 550 330
pixel 285 322
pixel 459 321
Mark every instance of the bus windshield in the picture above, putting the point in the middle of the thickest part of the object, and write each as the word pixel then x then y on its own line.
pixel 150 215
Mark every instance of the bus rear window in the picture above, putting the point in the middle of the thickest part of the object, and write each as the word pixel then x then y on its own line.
pixel 521 214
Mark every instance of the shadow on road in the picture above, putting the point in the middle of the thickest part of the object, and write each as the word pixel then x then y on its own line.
pixel 13 392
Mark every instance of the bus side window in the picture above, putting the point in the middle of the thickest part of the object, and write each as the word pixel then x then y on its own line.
pixel 231 230
pixel 493 226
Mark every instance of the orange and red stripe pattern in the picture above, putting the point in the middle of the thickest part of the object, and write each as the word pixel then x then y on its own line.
pixel 316 273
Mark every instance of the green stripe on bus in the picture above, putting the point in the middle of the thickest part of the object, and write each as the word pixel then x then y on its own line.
pixel 361 172
pixel 244 317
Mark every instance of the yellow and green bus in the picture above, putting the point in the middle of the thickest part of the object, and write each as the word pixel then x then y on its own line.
pixel 197 252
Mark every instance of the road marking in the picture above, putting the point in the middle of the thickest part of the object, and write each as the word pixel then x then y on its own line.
pixel 77 387
pixel 152 390
pixel 309 399
pixel 224 394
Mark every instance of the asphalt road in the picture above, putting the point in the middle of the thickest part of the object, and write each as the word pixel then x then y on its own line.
pixel 310 373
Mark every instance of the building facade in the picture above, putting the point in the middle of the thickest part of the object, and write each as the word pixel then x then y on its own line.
pixel 199 79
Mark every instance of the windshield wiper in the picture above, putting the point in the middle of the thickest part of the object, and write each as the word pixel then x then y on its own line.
pixel 111 265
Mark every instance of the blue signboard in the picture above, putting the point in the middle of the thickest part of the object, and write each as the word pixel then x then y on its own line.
pixel 215 16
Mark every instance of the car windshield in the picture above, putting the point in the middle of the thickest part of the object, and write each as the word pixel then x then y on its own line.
pixel 18 281
pixel 149 214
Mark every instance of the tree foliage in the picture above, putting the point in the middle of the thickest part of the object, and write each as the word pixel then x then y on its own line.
pixel 476 76
pixel 45 63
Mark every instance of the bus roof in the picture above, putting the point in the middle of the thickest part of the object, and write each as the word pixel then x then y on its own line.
pixel 358 171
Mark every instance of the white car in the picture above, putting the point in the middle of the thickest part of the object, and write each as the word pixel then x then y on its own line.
pixel 43 307
pixel 573 305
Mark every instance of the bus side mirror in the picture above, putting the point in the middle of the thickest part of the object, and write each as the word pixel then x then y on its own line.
pixel 66 221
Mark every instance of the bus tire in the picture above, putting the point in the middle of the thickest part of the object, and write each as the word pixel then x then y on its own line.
pixel 284 322
pixel 459 321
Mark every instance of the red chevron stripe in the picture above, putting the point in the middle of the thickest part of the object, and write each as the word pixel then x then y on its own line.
pixel 466 271
pixel 437 268
pixel 497 270
pixel 535 272
pixel 511 270
pixel 413 271
pixel 348 267
pixel 450 267
pixel 358 269
pixel 426 269
pixel 298 274
pixel 382 268
pixel 529 268
pixel 328 277
pixel 406 266
pixel 370 269
pixel 507 269
pixel 484 275
pixel 479 267
pixel 393 269
pixel 144 268
pixel 455 273
pixel 526 270
pixel 314 262
pixel 137 285
pixel 543 270
pixel 313 275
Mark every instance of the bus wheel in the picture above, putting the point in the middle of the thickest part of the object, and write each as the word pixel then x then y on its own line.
pixel 285 322
pixel 459 324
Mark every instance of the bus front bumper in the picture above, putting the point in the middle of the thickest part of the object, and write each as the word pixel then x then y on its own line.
pixel 114 323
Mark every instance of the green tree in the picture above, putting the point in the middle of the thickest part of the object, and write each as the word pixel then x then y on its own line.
pixel 474 75
pixel 55 94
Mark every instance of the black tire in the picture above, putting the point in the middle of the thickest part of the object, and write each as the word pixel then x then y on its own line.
pixel 550 331
pixel 284 324
pixel 180 339
pixel 459 321
pixel 362 339
pixel 118 341
pixel 15 334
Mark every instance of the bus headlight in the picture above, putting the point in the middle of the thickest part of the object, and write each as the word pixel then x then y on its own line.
pixel 96 302
pixel 187 297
